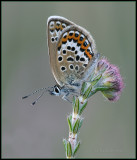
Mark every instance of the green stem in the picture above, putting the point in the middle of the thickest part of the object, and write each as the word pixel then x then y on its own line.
pixel 75 122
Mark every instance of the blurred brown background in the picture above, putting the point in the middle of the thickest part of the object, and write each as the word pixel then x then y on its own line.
pixel 37 132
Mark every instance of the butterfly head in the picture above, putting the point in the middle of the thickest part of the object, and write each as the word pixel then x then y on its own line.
pixel 56 90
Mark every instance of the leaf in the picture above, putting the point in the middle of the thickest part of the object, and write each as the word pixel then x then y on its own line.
pixel 83 87
pixel 76 148
pixel 65 144
pixel 69 150
pixel 96 79
pixel 69 123
pixel 70 117
pixel 83 107
pixel 80 123
pixel 87 92
pixel 76 106
pixel 76 126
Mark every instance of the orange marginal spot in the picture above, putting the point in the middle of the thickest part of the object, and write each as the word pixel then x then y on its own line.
pixel 80 42
pixel 83 47
pixel 61 27
pixel 70 37
pixel 76 38
pixel 65 39
pixel 88 54
pixel 60 43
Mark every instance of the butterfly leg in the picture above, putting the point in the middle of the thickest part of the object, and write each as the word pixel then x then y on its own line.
pixel 65 97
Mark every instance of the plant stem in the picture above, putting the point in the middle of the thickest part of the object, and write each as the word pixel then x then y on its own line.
pixel 75 122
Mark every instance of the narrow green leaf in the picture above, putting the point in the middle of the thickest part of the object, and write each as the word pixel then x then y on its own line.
pixel 92 92
pixel 76 148
pixel 83 107
pixel 70 117
pixel 76 107
pixel 80 123
pixel 76 126
pixel 83 87
pixel 65 144
pixel 96 79
pixel 69 150
pixel 69 123
pixel 87 92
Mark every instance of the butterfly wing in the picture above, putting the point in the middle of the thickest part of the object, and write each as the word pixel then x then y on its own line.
pixel 75 55
pixel 56 25
pixel 72 51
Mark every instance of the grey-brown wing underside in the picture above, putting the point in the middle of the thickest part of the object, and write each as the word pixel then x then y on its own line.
pixel 75 55
pixel 56 25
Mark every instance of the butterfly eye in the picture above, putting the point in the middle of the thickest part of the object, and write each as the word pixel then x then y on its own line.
pixel 56 89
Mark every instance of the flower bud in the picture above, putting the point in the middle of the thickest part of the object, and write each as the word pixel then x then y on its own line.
pixel 102 65
pixel 111 83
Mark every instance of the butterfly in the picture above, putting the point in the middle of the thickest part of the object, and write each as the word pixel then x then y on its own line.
pixel 73 56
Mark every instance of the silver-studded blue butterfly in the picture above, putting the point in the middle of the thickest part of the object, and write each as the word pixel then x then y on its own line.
pixel 73 56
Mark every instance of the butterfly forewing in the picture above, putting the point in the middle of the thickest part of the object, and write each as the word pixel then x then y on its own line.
pixel 56 26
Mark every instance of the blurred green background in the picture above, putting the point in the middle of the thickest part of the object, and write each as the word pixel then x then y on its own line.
pixel 108 130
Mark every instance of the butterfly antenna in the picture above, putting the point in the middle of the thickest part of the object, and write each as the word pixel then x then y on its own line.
pixel 33 103
pixel 34 92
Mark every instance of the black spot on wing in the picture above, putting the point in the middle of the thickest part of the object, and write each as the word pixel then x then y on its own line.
pixel 71 66
pixel 77 57
pixel 59 48
pixel 57 29
pixel 75 40
pixel 51 30
pixel 64 42
pixel 70 59
pixel 82 59
pixel 64 51
pixel 73 48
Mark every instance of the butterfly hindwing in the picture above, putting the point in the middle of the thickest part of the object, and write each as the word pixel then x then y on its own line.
pixel 75 51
